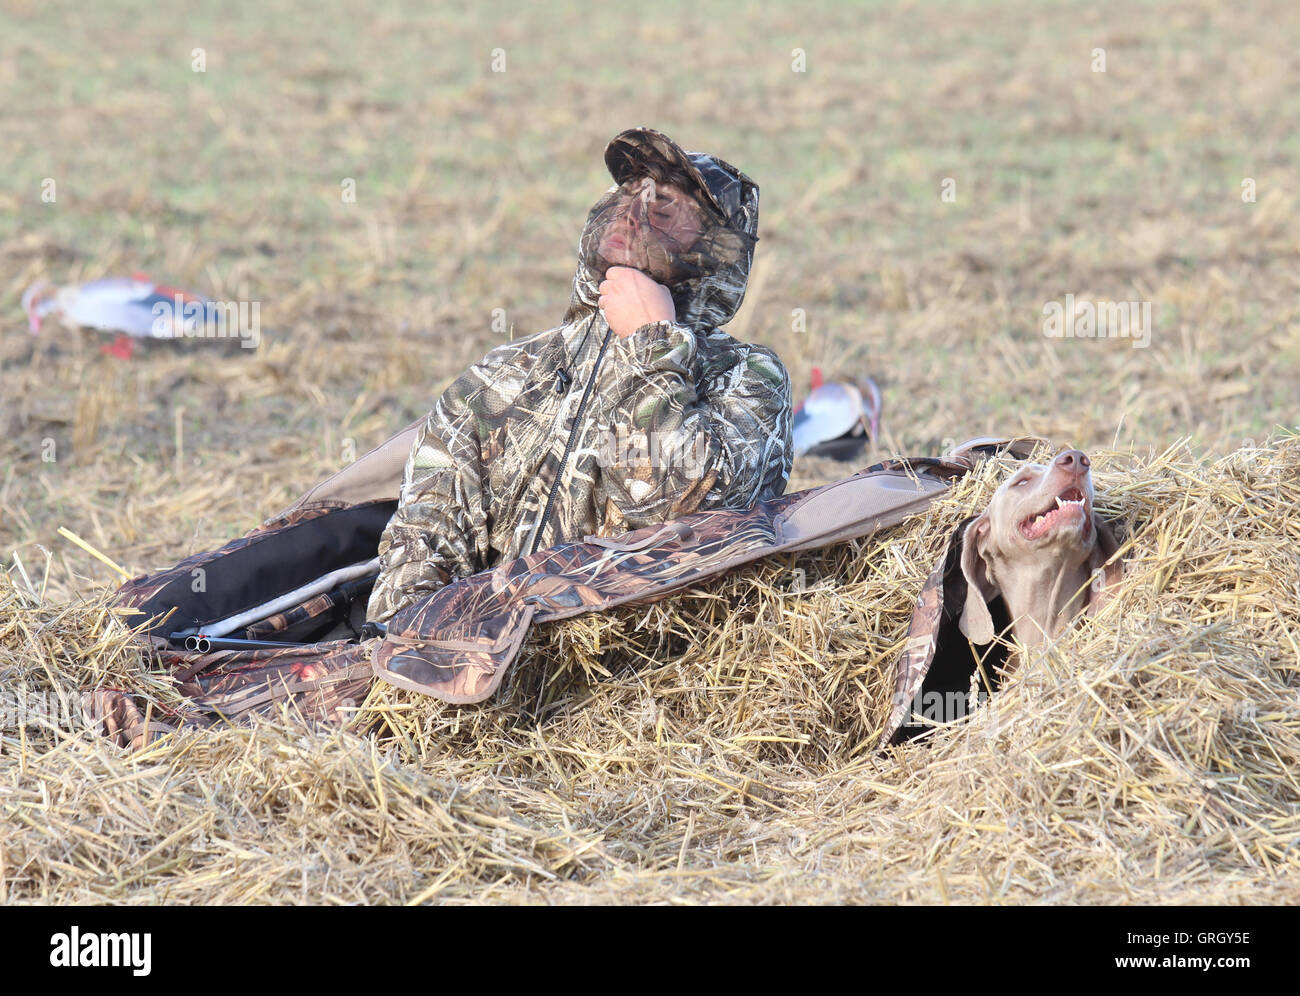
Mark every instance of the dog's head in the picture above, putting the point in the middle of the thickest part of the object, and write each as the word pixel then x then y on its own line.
pixel 1036 536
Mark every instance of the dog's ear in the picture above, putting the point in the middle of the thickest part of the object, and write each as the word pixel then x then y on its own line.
pixel 1105 569
pixel 976 621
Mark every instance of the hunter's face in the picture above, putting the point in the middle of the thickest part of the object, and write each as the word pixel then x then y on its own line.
pixel 646 223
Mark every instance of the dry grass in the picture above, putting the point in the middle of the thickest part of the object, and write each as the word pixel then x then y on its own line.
pixel 717 747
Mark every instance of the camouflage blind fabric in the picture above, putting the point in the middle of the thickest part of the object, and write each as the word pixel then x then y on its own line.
pixel 575 431
pixel 457 644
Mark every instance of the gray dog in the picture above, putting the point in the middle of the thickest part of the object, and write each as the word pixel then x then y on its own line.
pixel 1036 545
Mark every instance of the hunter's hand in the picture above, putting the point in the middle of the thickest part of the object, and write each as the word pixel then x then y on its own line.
pixel 630 299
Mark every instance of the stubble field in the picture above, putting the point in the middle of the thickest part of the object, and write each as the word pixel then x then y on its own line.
pixel 680 753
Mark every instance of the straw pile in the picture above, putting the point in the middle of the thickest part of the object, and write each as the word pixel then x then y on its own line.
pixel 719 746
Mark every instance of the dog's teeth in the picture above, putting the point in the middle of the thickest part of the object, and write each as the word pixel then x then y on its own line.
pixel 1059 503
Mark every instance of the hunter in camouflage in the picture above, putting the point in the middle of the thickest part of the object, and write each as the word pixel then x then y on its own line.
pixel 607 423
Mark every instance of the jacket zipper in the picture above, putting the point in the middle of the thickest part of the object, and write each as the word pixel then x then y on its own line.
pixel 568 446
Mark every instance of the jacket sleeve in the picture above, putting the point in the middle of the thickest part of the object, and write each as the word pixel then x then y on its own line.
pixel 439 531
pixel 673 445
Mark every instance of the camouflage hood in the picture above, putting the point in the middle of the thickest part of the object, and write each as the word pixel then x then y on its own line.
pixel 723 253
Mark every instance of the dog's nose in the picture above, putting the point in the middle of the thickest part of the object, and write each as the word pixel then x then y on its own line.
pixel 1075 460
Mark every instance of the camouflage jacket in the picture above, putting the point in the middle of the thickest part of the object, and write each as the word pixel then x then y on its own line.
pixel 575 431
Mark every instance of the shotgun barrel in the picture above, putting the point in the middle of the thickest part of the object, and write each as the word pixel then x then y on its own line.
pixel 198 643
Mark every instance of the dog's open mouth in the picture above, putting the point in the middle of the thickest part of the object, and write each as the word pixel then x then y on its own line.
pixel 1070 508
